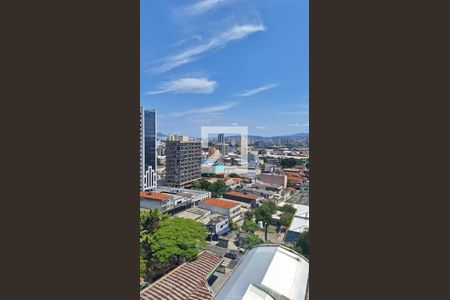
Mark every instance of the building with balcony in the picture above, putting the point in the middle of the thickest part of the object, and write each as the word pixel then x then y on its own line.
pixel 183 162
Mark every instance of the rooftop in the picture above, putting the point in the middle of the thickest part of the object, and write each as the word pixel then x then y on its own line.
pixel 241 195
pixel 300 221
pixel 268 272
pixel 154 195
pixel 220 203
pixel 193 213
pixel 186 282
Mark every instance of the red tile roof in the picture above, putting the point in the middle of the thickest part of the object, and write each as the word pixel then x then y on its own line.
pixel 220 203
pixel 154 196
pixel 295 179
pixel 186 282
pixel 241 195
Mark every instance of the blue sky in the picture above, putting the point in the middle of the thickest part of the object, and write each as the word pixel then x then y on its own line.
pixel 226 62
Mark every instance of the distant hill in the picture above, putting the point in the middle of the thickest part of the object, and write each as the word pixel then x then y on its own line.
pixel 257 137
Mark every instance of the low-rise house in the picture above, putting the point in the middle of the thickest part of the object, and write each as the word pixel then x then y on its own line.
pixel 189 281
pixel 217 224
pixel 230 209
pixel 274 179
pixel 300 223
pixel 232 182
pixel 249 199
pixel 259 192
pixel 195 196
pixel 154 200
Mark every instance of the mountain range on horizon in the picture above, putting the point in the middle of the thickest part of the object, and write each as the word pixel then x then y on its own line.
pixel 295 135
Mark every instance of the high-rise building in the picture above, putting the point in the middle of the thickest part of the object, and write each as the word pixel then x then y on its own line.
pixel 183 162
pixel 220 138
pixel 148 175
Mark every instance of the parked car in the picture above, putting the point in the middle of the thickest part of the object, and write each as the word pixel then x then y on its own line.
pixel 230 255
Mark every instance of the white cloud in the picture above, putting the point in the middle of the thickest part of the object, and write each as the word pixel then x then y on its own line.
pixel 261 127
pixel 300 125
pixel 211 110
pixel 234 124
pixel 236 32
pixel 186 85
pixel 203 6
pixel 257 90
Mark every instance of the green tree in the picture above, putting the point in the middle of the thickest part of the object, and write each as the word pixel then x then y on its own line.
pixel 217 189
pixel 249 226
pixel 270 205
pixel 264 214
pixel 201 184
pixel 302 245
pixel 149 221
pixel 234 175
pixel 143 267
pixel 177 239
pixel 286 218
pixel 287 208
pixel 290 162
pixel 249 215
pixel 253 240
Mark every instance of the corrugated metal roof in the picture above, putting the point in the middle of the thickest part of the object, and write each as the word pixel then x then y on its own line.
pixel 267 270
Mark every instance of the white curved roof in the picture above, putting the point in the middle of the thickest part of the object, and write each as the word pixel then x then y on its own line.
pixel 268 272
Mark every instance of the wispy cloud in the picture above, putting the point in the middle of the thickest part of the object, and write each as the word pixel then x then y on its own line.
pixel 192 85
pixel 257 90
pixel 260 127
pixel 200 7
pixel 292 113
pixel 213 110
pixel 234 33
pixel 300 125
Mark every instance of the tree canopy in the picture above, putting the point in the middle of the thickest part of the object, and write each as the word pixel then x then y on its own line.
pixel 286 218
pixel 302 245
pixel 253 240
pixel 287 208
pixel 291 162
pixel 149 222
pixel 249 226
pixel 265 211
pixel 177 239
pixel 217 188
pixel 234 175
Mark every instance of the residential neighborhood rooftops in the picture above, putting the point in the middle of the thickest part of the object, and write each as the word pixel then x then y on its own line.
pixel 186 282
pixel 220 203
pixel 154 195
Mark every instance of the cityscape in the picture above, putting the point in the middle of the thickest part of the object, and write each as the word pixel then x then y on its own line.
pixel 224 185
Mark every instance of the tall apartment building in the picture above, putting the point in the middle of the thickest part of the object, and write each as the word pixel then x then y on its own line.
pixel 183 161
pixel 148 175
pixel 220 138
